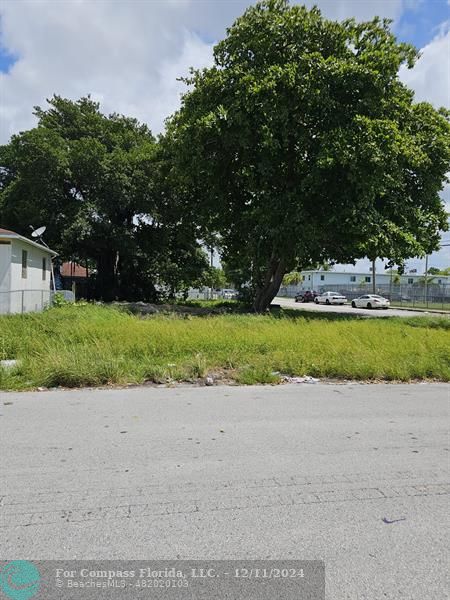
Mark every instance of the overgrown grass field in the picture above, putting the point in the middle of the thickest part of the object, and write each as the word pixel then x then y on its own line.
pixel 92 345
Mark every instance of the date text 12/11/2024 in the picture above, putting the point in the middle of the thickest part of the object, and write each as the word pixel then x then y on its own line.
pixel 195 573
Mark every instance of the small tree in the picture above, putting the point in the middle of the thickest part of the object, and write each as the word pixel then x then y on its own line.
pixel 215 278
pixel 292 278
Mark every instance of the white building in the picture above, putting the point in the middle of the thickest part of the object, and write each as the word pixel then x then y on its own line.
pixel 356 283
pixel 25 274
pixel 319 280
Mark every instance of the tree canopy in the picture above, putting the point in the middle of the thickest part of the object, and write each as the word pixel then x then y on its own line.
pixel 436 271
pixel 300 145
pixel 100 185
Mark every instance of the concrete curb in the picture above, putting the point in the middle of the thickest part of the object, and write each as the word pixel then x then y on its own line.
pixel 425 310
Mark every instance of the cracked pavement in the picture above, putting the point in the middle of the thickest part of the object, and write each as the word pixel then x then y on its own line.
pixel 353 474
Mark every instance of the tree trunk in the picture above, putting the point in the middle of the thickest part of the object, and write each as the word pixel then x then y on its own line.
pixel 106 275
pixel 267 292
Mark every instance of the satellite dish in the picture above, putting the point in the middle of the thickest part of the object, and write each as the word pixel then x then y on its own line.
pixel 38 232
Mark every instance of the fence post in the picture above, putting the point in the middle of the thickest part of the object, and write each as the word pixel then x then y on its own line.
pixel 23 292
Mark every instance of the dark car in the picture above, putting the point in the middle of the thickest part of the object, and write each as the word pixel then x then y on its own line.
pixel 307 296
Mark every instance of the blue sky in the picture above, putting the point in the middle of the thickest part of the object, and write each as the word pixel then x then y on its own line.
pixel 420 21
pixel 129 54
pixel 6 60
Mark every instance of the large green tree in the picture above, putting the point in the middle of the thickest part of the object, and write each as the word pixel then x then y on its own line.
pixel 99 184
pixel 301 145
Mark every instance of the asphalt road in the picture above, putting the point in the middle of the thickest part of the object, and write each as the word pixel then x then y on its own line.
pixel 347 309
pixel 351 474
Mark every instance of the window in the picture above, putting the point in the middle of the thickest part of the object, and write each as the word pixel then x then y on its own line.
pixel 309 277
pixel 352 277
pixel 44 268
pixel 322 278
pixel 410 280
pixel 367 279
pixel 24 264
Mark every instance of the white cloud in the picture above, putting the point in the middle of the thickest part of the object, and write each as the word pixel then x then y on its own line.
pixel 126 53
pixel 362 10
pixel 446 194
pixel 430 77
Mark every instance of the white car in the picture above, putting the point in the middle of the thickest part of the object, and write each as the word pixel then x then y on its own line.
pixel 229 294
pixel 371 301
pixel 330 298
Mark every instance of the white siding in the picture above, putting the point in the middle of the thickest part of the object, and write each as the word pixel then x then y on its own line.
pixel 5 276
pixel 33 292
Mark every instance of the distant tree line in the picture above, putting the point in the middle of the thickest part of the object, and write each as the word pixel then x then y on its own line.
pixel 299 146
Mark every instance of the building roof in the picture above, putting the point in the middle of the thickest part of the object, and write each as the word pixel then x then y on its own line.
pixel 366 273
pixel 6 234
pixel 385 273
pixel 72 269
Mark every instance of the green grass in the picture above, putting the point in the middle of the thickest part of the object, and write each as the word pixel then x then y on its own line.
pixel 96 345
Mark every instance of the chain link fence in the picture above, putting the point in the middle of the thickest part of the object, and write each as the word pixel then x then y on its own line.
pixel 23 301
pixel 204 294
pixel 435 296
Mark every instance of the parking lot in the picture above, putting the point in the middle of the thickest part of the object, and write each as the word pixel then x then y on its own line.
pixel 347 309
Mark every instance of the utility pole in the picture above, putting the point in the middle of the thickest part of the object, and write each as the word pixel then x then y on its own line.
pixel 374 289
pixel 390 286
pixel 426 280
pixel 211 264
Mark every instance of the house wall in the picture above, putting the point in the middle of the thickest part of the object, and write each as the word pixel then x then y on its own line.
pixel 5 276
pixel 33 292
